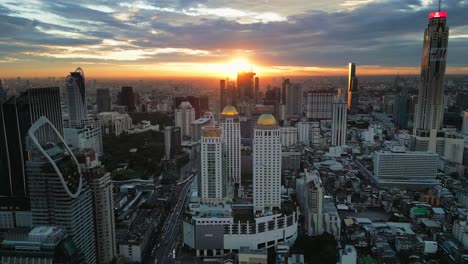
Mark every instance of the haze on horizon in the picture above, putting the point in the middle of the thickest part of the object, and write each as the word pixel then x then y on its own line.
pixel 145 38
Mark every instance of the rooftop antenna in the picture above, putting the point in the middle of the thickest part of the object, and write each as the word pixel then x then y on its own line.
pixel 439 4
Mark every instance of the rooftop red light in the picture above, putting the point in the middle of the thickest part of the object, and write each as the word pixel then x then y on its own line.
pixel 438 14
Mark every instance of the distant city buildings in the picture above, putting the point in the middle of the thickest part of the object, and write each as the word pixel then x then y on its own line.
pixel 103 100
pixel 127 98
pixel 353 89
pixel 113 123
pixel 294 99
pixel 246 87
pixel 172 141
pixel 184 116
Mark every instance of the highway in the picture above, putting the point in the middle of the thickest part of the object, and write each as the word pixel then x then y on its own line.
pixel 162 251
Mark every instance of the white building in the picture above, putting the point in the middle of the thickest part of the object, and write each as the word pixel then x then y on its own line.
pixel 212 177
pixel 308 133
pixel 114 123
pixel 266 164
pixel 184 116
pixel 230 125
pixel 465 123
pixel 87 135
pixel 310 196
pixel 460 232
pixel 101 188
pixel 339 123
pixel 288 136
pixel 319 104
pixel 206 120
pixel 404 169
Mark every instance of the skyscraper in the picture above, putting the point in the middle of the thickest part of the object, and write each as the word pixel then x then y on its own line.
pixel 172 142
pixel 212 180
pixel 245 86
pixel 17 115
pixel 222 94
pixel 400 110
pixel 353 92
pixel 339 122
pixel 3 92
pixel 294 100
pixel 184 116
pixel 59 195
pixel 127 98
pixel 257 90
pixel 266 165
pixel 103 100
pixel 430 107
pixel 101 188
pixel 204 104
pixel 319 105
pixel 76 94
pixel 230 125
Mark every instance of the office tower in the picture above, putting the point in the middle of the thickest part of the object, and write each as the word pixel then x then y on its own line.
pixel 319 105
pixel 212 180
pixel 42 244
pixel 114 123
pixel 59 195
pixel 273 97
pixel 17 115
pixel 206 120
pixel 245 86
pixel 194 102
pixel 103 100
pixel 257 90
pixel 430 107
pixel 222 94
pixel 172 141
pixel 88 134
pixel 76 95
pixel 294 100
pixel 339 122
pixel 184 116
pixel 266 165
pixel 353 92
pixel 127 98
pixel 230 125
pixel 465 123
pixel 204 104
pixel 304 131
pixel 101 188
pixel 400 109
pixel 286 82
pixel 288 136
pixel 402 169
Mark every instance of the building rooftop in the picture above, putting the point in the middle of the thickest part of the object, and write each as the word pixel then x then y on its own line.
pixel 266 120
pixel 229 111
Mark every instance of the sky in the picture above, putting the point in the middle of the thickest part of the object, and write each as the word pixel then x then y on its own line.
pixel 158 38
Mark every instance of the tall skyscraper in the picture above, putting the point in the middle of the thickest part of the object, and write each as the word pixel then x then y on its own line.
pixel 319 105
pixel 212 180
pixel 294 100
pixel 59 195
pixel 17 115
pixel 172 142
pixel 266 165
pixel 245 86
pixel 204 104
pixel 184 116
pixel 222 94
pixel 464 129
pixel 257 90
pixel 103 100
pixel 353 92
pixel 76 94
pixel 400 110
pixel 339 122
pixel 101 188
pixel 230 124
pixel 430 106
pixel 286 82
pixel 127 98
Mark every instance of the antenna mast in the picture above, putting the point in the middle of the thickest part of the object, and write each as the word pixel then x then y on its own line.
pixel 439 5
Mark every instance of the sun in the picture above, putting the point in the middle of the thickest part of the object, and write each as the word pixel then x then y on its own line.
pixel 237 65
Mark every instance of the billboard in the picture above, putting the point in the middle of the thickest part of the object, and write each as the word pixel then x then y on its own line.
pixel 438 14
pixel 438 54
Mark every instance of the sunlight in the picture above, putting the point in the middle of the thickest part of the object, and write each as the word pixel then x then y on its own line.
pixel 233 67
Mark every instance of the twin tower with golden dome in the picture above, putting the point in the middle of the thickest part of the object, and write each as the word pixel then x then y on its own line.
pixel 263 120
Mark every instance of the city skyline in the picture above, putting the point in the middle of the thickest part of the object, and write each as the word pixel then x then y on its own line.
pixel 217 38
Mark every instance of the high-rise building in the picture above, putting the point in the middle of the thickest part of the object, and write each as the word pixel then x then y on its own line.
pixel 246 86
pixel 88 134
pixel 172 142
pixel 465 123
pixel 284 87
pixel 230 124
pixel 103 100
pixel 204 104
pixel 319 105
pixel 101 188
pixel 400 109
pixel 59 196
pixel 184 116
pixel 402 169
pixel 339 122
pixel 288 136
pixel 257 90
pixel 206 120
pixel 212 180
pixel 294 100
pixel 310 195
pixel 127 98
pixel 222 94
pixel 42 244
pixel 17 115
pixel 114 123
pixel 76 95
pixel 3 92
pixel 353 90
pixel 194 102
pixel 430 107
pixel 266 165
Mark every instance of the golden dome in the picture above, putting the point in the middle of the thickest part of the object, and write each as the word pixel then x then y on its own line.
pixel 266 120
pixel 229 110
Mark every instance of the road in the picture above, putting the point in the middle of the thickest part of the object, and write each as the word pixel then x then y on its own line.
pixel 162 252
